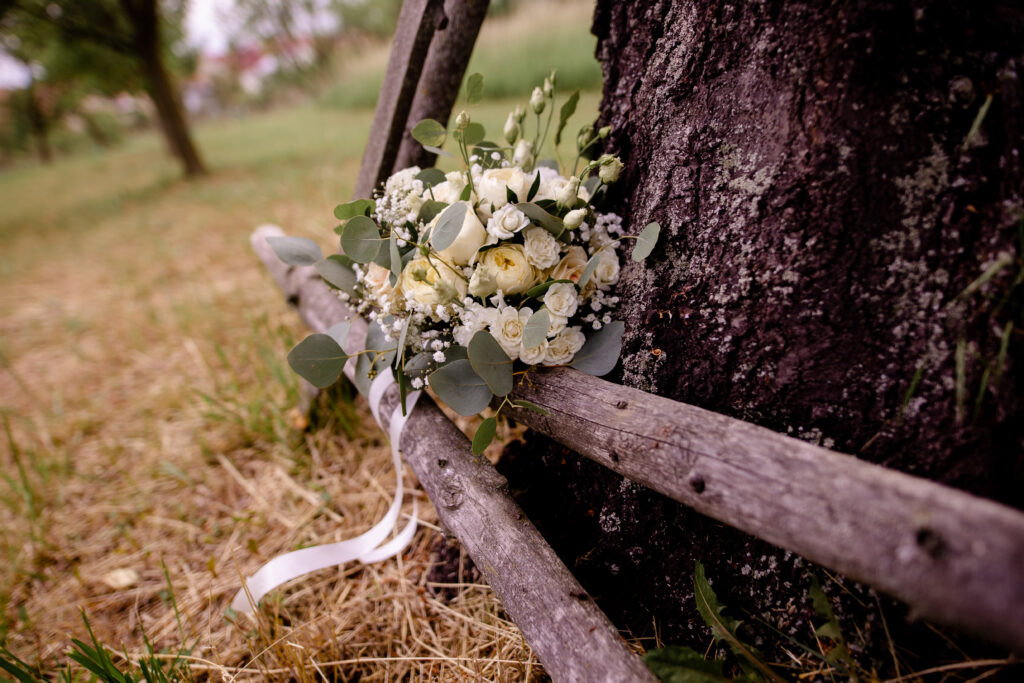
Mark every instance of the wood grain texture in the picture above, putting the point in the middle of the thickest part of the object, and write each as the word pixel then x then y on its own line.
pixel 953 557
pixel 442 75
pixel 416 25
pixel 570 634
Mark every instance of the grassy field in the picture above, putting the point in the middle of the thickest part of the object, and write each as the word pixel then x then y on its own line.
pixel 153 451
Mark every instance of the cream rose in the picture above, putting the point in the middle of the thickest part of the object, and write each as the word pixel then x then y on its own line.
pixel 512 270
pixel 571 266
pixel 541 248
pixel 561 299
pixel 508 329
pixel 483 283
pixel 534 356
pixel 607 272
pixel 471 237
pixel 431 282
pixel 378 281
pixel 564 346
pixel 491 184
pixel 506 222
pixel 450 190
pixel 556 323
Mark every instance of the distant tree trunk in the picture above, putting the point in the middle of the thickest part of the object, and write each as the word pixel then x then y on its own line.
pixel 39 125
pixel 144 18
pixel 94 130
pixel 830 182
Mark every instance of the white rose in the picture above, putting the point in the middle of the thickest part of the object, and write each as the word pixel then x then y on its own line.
pixel 556 323
pixel 512 270
pixel 564 346
pixel 483 283
pixel 431 282
pixel 471 237
pixel 571 266
pixel 561 299
pixel 541 248
pixel 567 195
pixel 508 329
pixel 549 185
pixel 534 356
pixel 607 272
pixel 506 222
pixel 492 183
pixel 450 190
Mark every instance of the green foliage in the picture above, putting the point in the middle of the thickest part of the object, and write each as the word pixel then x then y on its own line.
pixel 840 655
pixel 474 88
pixel 461 388
pixel 679 664
pixel 359 207
pixel 319 359
pixel 337 273
pixel 431 177
pixel 724 628
pixel 540 217
pixel 589 269
pixel 536 329
pixel 490 363
pixel 296 251
pixel 448 227
pixel 360 239
pixel 429 132
pixel 484 435
pixel 568 109
pixel 600 353
pixel 646 241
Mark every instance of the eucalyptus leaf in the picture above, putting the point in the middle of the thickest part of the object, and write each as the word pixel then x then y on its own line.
pixel 588 270
pixel 491 363
pixel 484 435
pixel 600 353
pixel 429 132
pixel 538 291
pixel 462 389
pixel 455 352
pixel 646 241
pixel 523 403
pixel 536 330
pixel 359 207
pixel 418 365
pixel 319 359
pixel 337 273
pixel 430 209
pixel 360 240
pixel 568 109
pixel 431 176
pixel 473 134
pixel 448 227
pixel 474 88
pixel 539 216
pixel 438 151
pixel 296 251
pixel 400 354
pixel 339 332
pixel 395 257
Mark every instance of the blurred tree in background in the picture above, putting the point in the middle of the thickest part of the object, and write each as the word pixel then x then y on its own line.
pixel 105 47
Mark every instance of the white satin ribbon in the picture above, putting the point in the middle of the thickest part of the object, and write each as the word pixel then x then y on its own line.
pixel 367 547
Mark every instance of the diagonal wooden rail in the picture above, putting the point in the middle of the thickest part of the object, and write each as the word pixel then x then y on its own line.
pixel 953 557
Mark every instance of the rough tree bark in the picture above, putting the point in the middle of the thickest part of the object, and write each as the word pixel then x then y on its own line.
pixel 832 181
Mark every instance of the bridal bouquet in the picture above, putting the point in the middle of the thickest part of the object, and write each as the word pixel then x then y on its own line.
pixel 470 277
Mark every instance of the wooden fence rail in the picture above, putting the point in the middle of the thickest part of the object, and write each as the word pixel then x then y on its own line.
pixel 953 557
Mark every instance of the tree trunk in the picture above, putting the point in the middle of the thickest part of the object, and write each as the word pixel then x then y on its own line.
pixel 840 193
pixel 39 124
pixel 145 23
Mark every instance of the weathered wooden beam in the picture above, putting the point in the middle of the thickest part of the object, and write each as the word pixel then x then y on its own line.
pixel 571 636
pixel 416 25
pixel 953 557
pixel 442 75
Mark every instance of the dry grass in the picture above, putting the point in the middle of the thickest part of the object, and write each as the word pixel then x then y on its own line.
pixel 150 426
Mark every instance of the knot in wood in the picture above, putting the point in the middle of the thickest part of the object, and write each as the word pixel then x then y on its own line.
pixel 697 483
pixel 453 493
pixel 930 542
